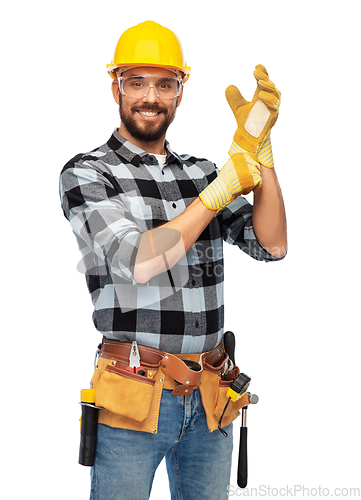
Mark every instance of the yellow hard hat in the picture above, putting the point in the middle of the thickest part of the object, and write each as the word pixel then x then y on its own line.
pixel 149 44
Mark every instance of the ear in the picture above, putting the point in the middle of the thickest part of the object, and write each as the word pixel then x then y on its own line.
pixel 179 98
pixel 115 90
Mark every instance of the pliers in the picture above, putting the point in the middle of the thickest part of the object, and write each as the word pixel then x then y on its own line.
pixel 134 360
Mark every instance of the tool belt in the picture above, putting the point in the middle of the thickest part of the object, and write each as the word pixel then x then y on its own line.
pixel 132 401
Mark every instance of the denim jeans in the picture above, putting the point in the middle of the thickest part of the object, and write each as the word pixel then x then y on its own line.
pixel 198 461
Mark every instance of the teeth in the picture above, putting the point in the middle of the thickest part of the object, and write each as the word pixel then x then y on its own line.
pixel 147 113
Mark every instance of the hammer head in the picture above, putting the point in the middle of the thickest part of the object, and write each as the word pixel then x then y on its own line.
pixel 252 398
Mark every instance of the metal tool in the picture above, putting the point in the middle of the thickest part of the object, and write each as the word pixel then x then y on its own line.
pixel 253 398
pixel 229 344
pixel 238 387
pixel 242 472
pixel 134 360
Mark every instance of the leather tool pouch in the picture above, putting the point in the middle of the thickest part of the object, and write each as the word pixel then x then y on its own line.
pixel 186 373
pixel 214 396
pixel 130 401
pixel 124 393
pixel 221 400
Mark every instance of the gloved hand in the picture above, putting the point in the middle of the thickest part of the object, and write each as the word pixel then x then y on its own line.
pixel 256 118
pixel 264 156
pixel 240 175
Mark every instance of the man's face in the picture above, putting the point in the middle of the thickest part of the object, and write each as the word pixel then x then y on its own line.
pixel 148 118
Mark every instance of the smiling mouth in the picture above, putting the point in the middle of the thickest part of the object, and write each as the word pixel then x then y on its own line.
pixel 149 114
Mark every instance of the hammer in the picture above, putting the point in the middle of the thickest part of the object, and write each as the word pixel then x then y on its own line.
pixel 242 472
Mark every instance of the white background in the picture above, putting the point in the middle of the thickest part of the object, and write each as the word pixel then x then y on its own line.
pixel 296 321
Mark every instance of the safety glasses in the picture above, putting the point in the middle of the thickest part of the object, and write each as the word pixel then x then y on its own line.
pixel 138 86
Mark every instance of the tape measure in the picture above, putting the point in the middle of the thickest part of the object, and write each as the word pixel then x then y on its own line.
pixel 238 387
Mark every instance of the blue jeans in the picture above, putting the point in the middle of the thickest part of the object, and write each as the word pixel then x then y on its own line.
pixel 198 461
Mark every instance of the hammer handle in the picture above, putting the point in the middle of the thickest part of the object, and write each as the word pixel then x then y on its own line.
pixel 242 473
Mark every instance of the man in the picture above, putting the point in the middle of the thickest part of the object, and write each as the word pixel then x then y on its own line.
pixel 150 225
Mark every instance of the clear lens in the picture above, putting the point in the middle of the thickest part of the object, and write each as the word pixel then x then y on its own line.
pixel 138 86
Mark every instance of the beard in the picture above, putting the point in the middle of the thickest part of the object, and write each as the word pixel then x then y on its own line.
pixel 150 131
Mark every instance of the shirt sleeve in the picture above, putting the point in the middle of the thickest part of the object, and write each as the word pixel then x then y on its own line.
pixel 108 235
pixel 238 230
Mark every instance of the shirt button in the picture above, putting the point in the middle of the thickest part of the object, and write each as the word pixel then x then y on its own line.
pixel 197 324
pixel 174 205
pixel 193 282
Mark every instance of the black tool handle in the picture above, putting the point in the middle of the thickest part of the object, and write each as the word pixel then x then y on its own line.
pixel 88 436
pixel 242 473
pixel 229 345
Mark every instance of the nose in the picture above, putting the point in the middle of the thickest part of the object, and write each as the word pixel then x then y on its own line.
pixel 151 95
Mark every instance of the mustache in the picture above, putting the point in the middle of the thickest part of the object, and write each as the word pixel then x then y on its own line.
pixel 149 107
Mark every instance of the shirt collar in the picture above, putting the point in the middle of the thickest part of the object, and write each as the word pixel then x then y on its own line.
pixel 130 153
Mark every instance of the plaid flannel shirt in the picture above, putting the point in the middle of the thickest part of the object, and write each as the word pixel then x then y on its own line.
pixel 112 195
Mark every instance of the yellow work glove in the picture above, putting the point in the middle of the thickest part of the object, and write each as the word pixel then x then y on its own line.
pixel 256 118
pixel 240 175
pixel 264 156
